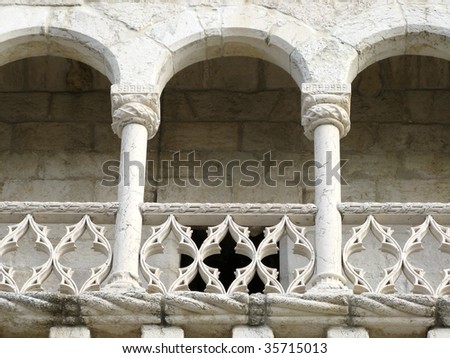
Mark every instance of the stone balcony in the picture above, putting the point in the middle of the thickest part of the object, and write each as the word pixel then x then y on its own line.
pixel 57 258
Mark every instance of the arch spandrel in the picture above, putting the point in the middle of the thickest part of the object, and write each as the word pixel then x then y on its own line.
pixel 195 36
pixel 39 31
pixel 393 29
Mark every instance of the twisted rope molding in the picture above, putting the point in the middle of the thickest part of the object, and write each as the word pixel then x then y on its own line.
pixel 392 305
pixel 110 208
pixel 34 207
pixel 206 304
pixel 395 208
pixel 228 208
pixel 141 307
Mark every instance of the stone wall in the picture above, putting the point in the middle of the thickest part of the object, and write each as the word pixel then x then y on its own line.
pixel 55 132
pixel 234 109
pixel 398 147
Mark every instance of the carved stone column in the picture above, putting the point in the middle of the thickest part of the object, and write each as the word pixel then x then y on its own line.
pixel 326 119
pixel 136 117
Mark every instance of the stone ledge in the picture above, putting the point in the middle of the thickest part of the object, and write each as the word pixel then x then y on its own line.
pixel 42 2
pixel 204 314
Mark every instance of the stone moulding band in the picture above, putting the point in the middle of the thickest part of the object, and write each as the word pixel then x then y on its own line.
pixel 395 208
pixel 102 308
pixel 110 208
pixel 31 207
pixel 219 208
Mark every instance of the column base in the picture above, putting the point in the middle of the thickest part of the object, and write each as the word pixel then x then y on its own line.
pixel 347 332
pixel 252 332
pixel 329 282
pixel 122 282
pixel 155 331
pixel 70 332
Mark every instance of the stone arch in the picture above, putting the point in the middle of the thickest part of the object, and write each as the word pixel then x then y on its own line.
pixel 73 33
pixel 32 42
pixel 392 31
pixel 421 41
pixel 248 31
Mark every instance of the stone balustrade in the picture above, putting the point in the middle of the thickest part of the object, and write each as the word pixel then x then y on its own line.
pixel 186 248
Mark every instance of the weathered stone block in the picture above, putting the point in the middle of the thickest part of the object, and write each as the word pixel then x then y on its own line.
pixel 414 138
pixel 419 107
pixel 194 194
pixel 70 332
pixel 263 193
pixel 424 166
pixel 287 137
pixel 347 332
pixel 103 193
pixel 190 78
pixel 106 141
pixel 81 107
pixel 369 167
pixel 388 107
pixel 361 138
pixel 441 107
pixel 252 332
pixel 200 136
pixel 48 190
pixel 359 190
pixel 277 78
pixel 175 106
pixel 389 189
pixel 287 107
pixel 439 333
pixel 217 105
pixel 232 74
pixel 19 165
pixel 370 83
pixel 63 165
pixel 52 136
pixel 5 136
pixel 24 106
pixel 150 331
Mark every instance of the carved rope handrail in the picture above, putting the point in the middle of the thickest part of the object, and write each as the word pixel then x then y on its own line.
pixel 373 208
pixel 100 309
pixel 228 208
pixel 110 208
pixel 53 207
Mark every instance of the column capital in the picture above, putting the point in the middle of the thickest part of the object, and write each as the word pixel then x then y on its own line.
pixel 326 103
pixel 135 104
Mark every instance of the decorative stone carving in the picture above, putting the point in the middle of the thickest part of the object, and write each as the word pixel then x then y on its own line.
pixel 119 304
pixel 154 245
pixel 394 208
pixel 135 104
pixel 325 104
pixel 206 303
pixel 417 275
pixel 26 207
pixel 10 243
pixel 211 246
pixel 67 244
pixel 388 244
pixel 227 208
pixel 301 247
pixel 307 304
pixel 375 304
pixel 198 308
pixel 244 246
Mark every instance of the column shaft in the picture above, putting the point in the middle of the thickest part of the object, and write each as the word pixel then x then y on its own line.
pixel 130 196
pixel 327 197
pixel 326 119
pixel 136 120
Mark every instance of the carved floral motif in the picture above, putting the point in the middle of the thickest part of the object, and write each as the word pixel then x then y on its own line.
pixel 141 108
